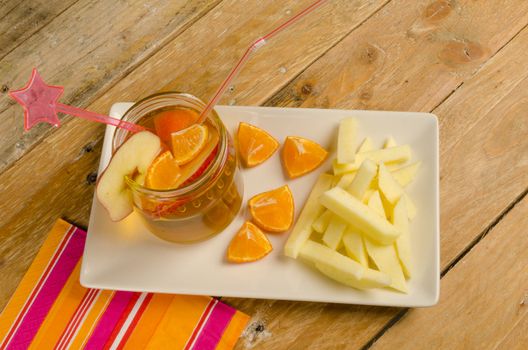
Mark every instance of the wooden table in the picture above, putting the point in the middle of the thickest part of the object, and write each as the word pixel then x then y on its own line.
pixel 465 61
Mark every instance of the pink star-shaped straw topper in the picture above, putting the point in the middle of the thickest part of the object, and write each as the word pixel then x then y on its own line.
pixel 40 103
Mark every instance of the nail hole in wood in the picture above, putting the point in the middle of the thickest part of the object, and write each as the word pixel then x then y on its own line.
pixel 91 178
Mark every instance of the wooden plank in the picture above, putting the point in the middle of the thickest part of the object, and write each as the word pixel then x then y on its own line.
pixel 7 6
pixel 301 325
pixel 87 48
pixel 480 299
pixel 426 50
pixel 518 336
pixel 488 165
pixel 64 152
pixel 19 20
pixel 208 58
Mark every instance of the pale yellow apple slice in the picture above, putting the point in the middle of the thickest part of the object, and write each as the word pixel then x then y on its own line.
pixel 365 175
pixel 346 180
pixel 346 140
pixel 342 203
pixel 397 154
pixel 384 256
pixel 321 223
pixel 365 146
pixel 353 242
pixel 135 155
pixel 317 253
pixel 388 186
pixel 341 268
pixel 376 204
pixel 390 142
pixel 311 210
pixel 403 242
pixel 371 278
pixel 386 259
pixel 406 174
pixel 334 232
pixel 340 169
pixel 367 195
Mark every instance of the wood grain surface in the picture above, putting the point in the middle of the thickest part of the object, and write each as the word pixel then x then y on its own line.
pixel 19 21
pixel 463 60
pixel 483 294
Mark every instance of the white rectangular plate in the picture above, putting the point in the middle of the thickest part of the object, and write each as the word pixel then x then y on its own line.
pixel 125 256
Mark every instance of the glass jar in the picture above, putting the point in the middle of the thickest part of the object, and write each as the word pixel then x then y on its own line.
pixel 201 207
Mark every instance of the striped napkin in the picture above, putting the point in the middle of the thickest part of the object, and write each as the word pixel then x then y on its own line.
pixel 51 310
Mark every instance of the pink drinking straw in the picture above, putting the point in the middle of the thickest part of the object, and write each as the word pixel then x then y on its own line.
pixel 40 103
pixel 252 48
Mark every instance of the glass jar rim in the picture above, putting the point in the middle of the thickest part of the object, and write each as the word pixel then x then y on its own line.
pixel 164 99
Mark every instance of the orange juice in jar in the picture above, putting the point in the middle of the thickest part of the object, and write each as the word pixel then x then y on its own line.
pixel 207 189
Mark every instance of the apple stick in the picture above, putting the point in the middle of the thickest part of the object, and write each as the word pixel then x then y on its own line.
pixel 342 203
pixel 303 228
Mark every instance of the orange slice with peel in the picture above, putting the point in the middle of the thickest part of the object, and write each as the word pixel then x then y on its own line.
pixel 300 156
pixel 163 173
pixel 187 143
pixel 201 162
pixel 254 144
pixel 249 244
pixel 273 210
pixel 167 122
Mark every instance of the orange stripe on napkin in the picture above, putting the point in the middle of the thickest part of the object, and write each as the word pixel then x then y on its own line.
pixel 86 328
pixel 28 283
pixel 134 321
pixel 149 321
pixel 179 322
pixel 61 312
pixel 232 333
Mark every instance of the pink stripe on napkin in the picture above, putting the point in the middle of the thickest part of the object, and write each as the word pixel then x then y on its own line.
pixel 49 290
pixel 108 322
pixel 214 328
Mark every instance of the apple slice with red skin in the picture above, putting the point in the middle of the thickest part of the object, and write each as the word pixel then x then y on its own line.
pixel 133 157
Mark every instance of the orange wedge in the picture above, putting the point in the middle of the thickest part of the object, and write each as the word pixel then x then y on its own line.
pixel 254 144
pixel 273 210
pixel 249 244
pixel 300 156
pixel 187 143
pixel 196 166
pixel 163 173
pixel 167 122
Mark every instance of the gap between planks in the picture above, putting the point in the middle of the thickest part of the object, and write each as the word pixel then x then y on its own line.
pixel 10 10
pixel 36 31
pixel 448 268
